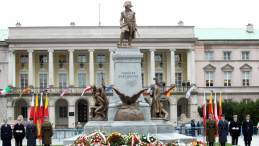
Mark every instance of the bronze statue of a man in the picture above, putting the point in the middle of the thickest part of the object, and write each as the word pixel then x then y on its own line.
pixel 128 24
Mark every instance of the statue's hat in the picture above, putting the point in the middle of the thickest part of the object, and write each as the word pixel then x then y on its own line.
pixel 127 3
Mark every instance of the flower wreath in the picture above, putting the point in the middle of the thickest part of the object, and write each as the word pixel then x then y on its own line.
pixel 97 137
pixel 82 141
pixel 115 139
pixel 132 139
pixel 150 140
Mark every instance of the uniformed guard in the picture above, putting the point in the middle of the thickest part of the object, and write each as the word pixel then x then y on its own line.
pixel 31 133
pixel 18 132
pixel 223 130
pixel 235 130
pixel 46 132
pixel 247 129
pixel 6 133
pixel 211 130
pixel 193 127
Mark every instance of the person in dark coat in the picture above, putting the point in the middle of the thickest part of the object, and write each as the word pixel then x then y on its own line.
pixel 247 129
pixel 223 130
pixel 235 130
pixel 31 133
pixel 188 85
pixel 18 132
pixel 183 84
pixel 211 130
pixel 199 130
pixel 46 132
pixel 6 133
pixel 193 127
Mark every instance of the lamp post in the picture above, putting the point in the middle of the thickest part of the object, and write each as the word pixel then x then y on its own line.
pixel 61 64
pixel 161 64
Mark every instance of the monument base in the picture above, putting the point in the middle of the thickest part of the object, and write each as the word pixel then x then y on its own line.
pixel 164 126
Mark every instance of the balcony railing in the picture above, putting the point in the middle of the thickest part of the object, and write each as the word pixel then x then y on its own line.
pixel 164 89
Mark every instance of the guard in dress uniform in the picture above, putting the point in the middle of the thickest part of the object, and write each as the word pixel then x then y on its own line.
pixel 223 130
pixel 211 130
pixel 193 127
pixel 31 133
pixel 247 129
pixel 46 132
pixel 235 130
pixel 18 132
pixel 6 133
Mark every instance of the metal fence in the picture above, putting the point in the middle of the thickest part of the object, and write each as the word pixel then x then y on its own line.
pixel 199 131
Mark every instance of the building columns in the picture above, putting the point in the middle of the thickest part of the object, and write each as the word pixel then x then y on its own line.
pixel 71 119
pixel 31 66
pixel 148 67
pixel 152 67
pixel 11 69
pixel 172 67
pixel 111 74
pixel 189 73
pixel 91 67
pixel 52 115
pixel 168 68
pixel 193 67
pixel 51 68
pixel 71 68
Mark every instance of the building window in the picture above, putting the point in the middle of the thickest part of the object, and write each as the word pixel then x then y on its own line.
pixel 158 57
pixel 245 55
pixel 100 58
pixel 228 100
pixel 62 58
pixel 246 100
pixel 81 80
pixel 227 78
pixel 246 78
pixel 209 79
pixel 62 80
pixel 24 59
pixel 24 112
pixel 99 79
pixel 159 76
pixel 227 55
pixel 178 57
pixel 142 77
pixel 43 80
pixel 208 55
pixel 63 111
pixel 178 79
pixel 24 81
pixel 43 58
pixel 81 58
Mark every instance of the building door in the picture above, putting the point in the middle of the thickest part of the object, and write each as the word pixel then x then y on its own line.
pixel 82 111
pixel 178 79
pixel 159 76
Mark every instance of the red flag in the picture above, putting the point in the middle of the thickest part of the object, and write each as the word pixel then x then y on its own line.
pixel 46 112
pixel 216 118
pixel 41 110
pixel 220 108
pixel 32 107
pixel 210 106
pixel 204 113
pixel 37 116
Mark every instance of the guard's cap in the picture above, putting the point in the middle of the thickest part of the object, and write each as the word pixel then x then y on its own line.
pixel 46 117
pixel 5 120
pixel 210 115
pixel 247 115
pixel 19 119
pixel 222 115
pixel 235 116
pixel 31 119
pixel 127 3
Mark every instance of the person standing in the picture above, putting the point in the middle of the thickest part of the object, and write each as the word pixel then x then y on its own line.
pixel 247 129
pixel 198 125
pixel 6 133
pixel 193 127
pixel 79 126
pixel 46 132
pixel 31 133
pixel 223 130
pixel 18 132
pixel 235 130
pixel 211 130
pixel 188 85
pixel 183 84
pixel 163 83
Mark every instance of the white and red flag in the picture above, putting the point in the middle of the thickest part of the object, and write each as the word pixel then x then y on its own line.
pixel 204 113
pixel 32 107
pixel 86 89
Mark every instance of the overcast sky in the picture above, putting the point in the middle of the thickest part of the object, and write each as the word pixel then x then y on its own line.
pixel 198 13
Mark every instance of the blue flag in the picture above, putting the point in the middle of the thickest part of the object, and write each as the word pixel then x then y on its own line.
pixel 109 88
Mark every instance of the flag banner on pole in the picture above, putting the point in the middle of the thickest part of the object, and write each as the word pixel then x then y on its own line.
pixel 216 118
pixel 25 91
pixel 65 91
pixel 41 110
pixel 32 107
pixel 109 88
pixel 46 111
pixel 86 89
pixel 47 89
pixel 149 90
pixel 5 90
pixel 220 108
pixel 188 94
pixel 210 105
pixel 204 113
pixel 36 121
pixel 169 91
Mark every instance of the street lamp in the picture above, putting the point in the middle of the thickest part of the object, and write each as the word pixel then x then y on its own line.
pixel 100 65
pixel 161 64
pixel 61 64
pixel 81 65
pixel 41 65
pixel 179 64
pixel 22 65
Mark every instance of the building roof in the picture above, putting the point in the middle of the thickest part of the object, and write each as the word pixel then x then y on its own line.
pixel 214 34
pixel 4 34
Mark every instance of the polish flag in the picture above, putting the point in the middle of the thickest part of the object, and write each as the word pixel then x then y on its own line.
pixel 86 89
pixel 32 107
pixel 204 113
pixel 216 118
pixel 148 90
pixel 41 110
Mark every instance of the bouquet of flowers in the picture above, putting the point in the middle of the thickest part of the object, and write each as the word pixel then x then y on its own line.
pixel 132 136
pixel 196 143
pixel 82 141
pixel 157 143
pixel 149 140
pixel 97 137
pixel 115 139
pixel 175 143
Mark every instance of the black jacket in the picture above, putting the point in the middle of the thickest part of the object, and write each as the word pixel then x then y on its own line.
pixel 247 129
pixel 19 132
pixel 183 84
pixel 235 128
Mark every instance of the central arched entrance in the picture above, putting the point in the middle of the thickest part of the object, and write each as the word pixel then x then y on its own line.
pixel 21 108
pixel 61 112
pixel 81 111
pixel 183 108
